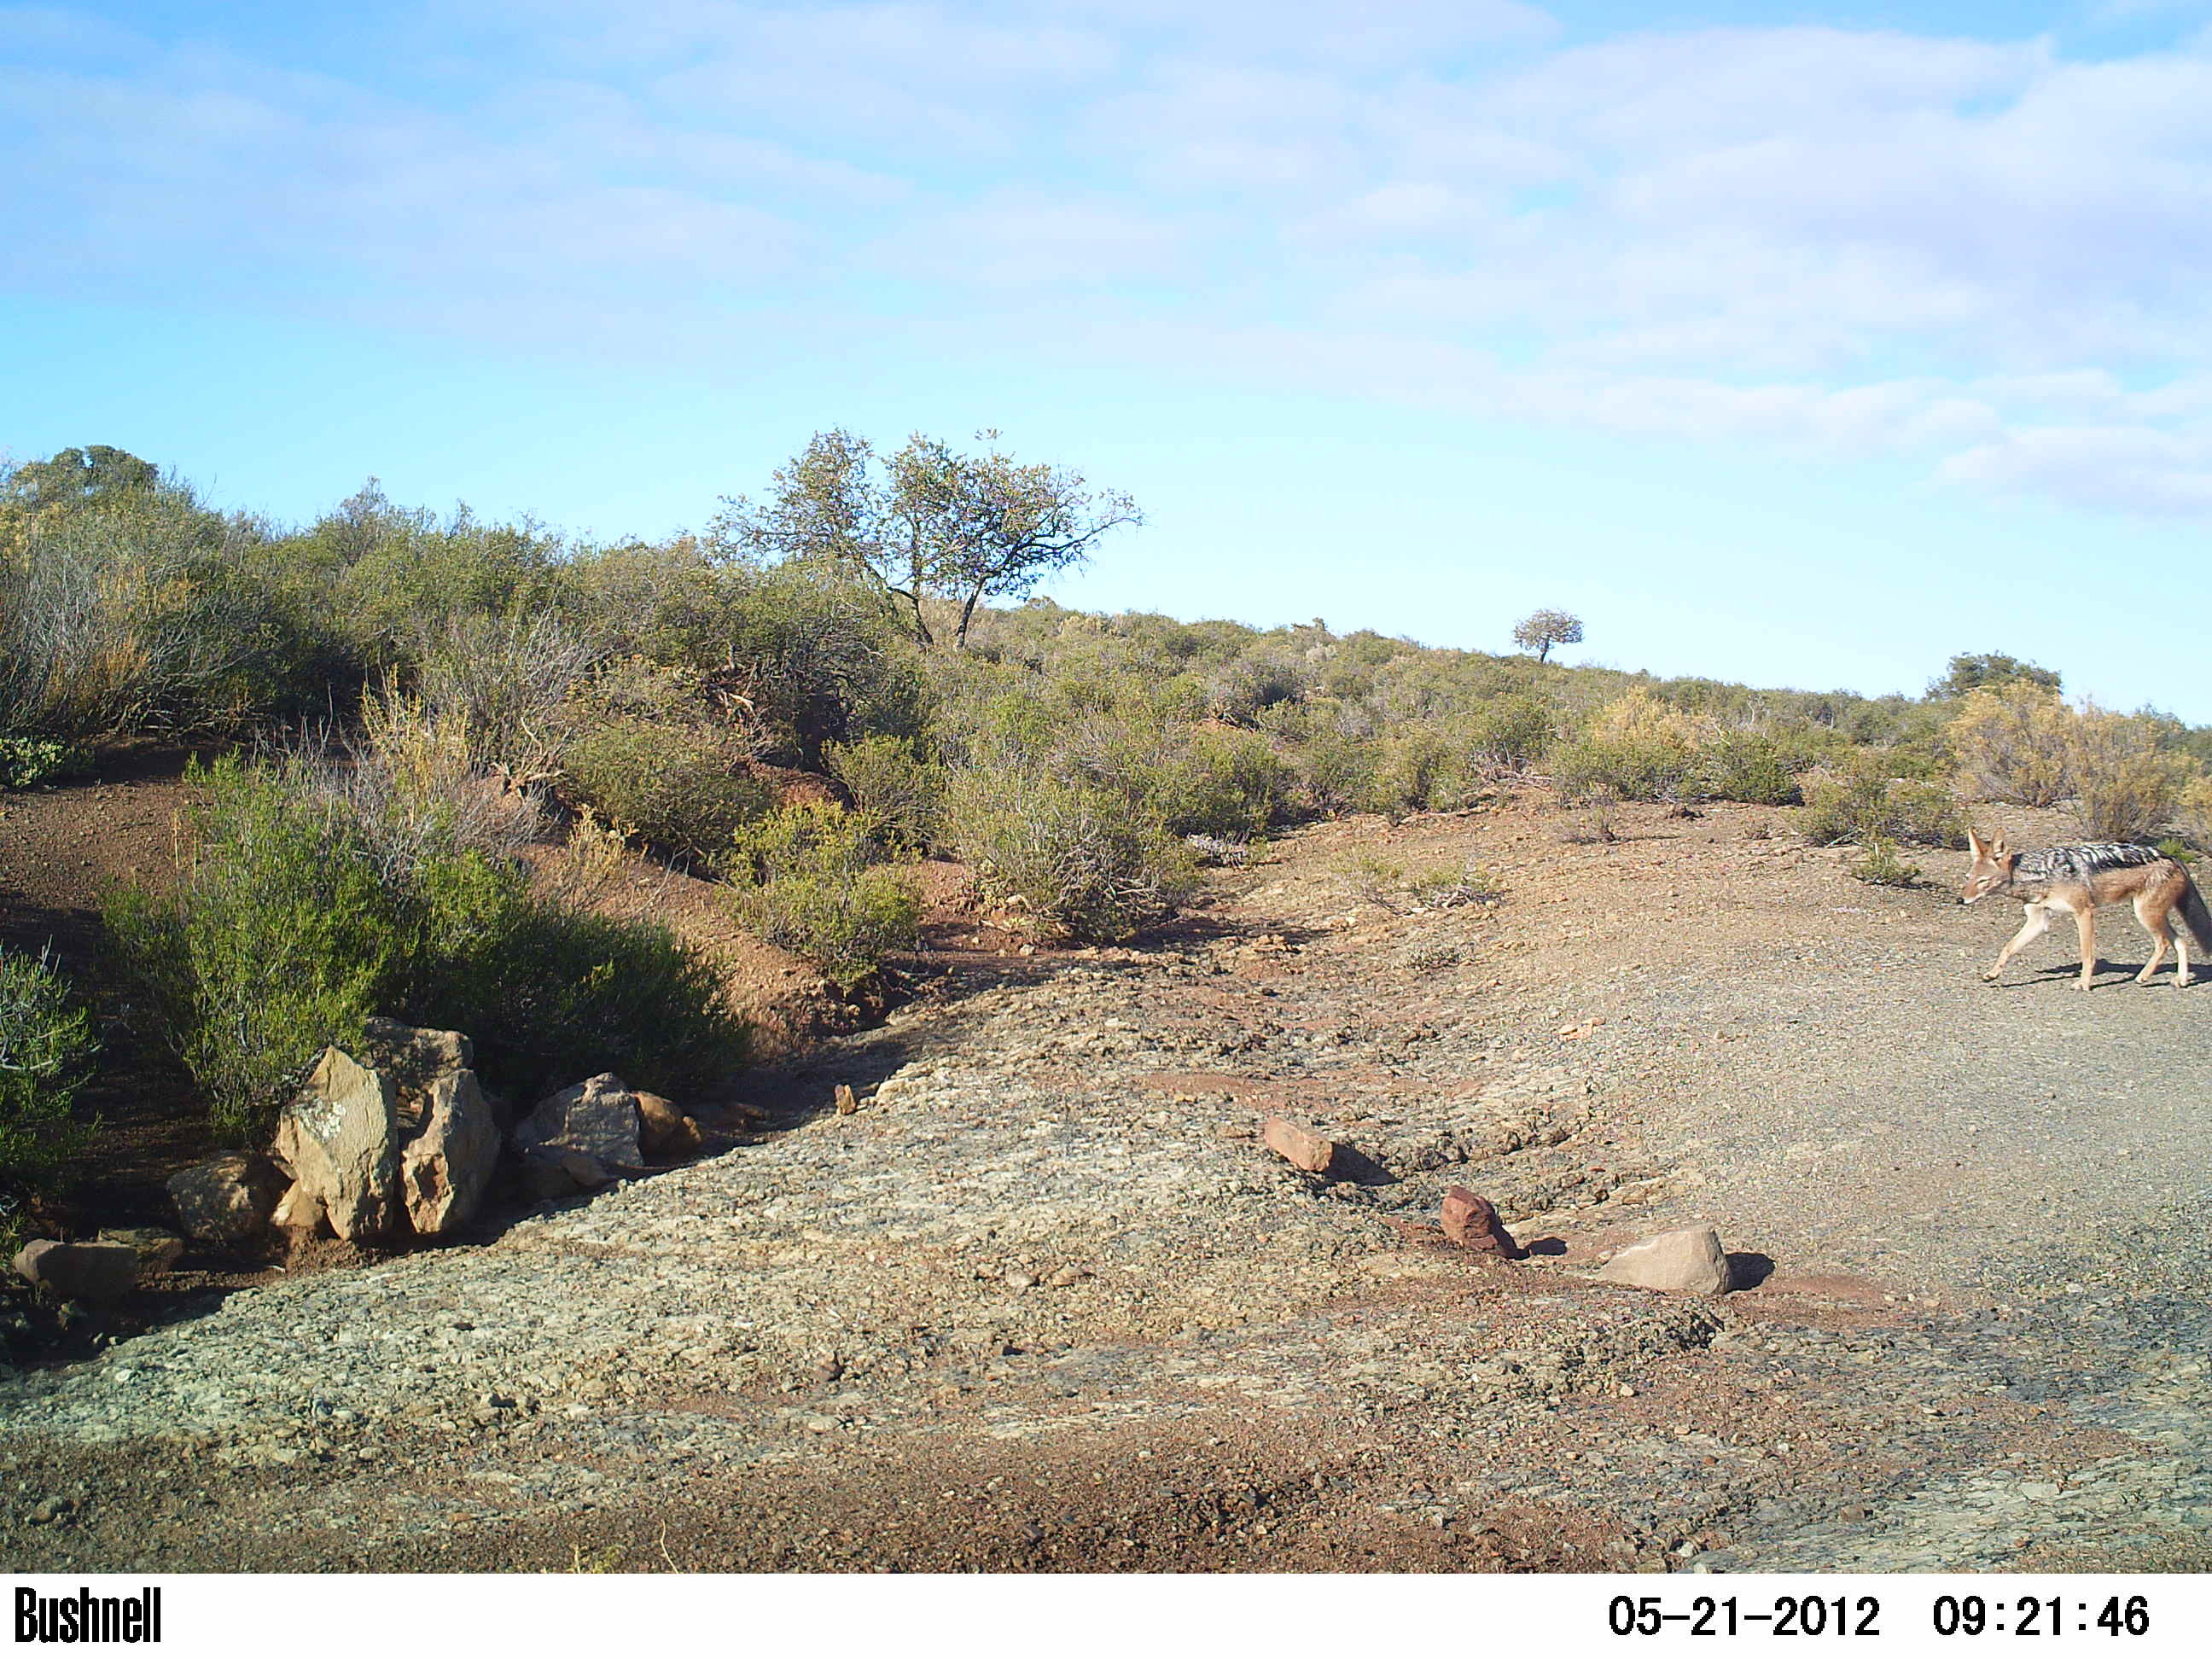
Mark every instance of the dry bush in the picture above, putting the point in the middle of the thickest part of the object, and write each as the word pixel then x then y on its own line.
pixel 2127 786
pixel 2015 743
pixel 2193 813
pixel 508 681
pixel 1078 861
pixel 1595 819
pixel 1879 866
pixel 1636 748
pixel 1858 801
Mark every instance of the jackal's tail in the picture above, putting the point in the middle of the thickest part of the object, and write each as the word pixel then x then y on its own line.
pixel 2196 916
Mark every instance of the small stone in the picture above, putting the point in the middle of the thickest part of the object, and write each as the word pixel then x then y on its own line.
pixel 847 1102
pixel 79 1273
pixel 1852 1512
pixel 1689 1260
pixel 664 1136
pixel 1299 1145
pixel 1472 1223
pixel 1066 1277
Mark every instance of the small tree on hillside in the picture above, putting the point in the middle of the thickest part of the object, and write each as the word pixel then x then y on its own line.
pixel 1540 631
pixel 1003 527
pixel 1985 670
pixel 926 522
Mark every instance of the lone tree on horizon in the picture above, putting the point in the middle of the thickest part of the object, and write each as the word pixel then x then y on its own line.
pixel 928 522
pixel 1540 631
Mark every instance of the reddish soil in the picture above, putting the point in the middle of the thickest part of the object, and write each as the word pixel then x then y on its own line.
pixel 64 852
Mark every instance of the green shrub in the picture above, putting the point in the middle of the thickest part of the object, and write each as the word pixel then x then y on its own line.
pixel 1636 748
pixel 1338 773
pixel 1420 768
pixel 280 938
pixel 888 779
pixel 1858 801
pixel 684 787
pixel 810 878
pixel 1753 767
pixel 1510 734
pixel 301 909
pixel 1076 858
pixel 551 993
pixel 1879 866
pixel 45 1047
pixel 26 763
pixel 1226 784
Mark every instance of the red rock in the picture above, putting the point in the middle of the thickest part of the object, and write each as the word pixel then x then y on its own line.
pixel 1299 1144
pixel 1471 1222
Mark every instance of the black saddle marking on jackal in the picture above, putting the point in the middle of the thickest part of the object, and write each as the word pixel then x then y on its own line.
pixel 2060 866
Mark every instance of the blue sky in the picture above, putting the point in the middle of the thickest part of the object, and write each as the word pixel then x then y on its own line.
pixel 1799 344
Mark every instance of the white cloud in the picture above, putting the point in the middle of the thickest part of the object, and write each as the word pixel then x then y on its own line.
pixel 1981 254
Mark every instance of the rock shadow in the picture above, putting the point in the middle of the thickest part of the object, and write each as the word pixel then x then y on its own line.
pixel 1749 1269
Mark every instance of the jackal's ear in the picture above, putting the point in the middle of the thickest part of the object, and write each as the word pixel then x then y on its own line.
pixel 1974 845
pixel 1997 848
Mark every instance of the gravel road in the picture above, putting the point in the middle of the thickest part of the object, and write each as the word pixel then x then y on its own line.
pixel 1044 1302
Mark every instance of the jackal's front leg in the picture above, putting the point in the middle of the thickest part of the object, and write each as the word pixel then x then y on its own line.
pixel 2037 920
pixel 2085 920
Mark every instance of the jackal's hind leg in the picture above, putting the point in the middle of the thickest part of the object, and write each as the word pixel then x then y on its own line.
pixel 2158 922
pixel 2038 919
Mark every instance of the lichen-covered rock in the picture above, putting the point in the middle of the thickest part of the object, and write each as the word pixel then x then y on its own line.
pixel 339 1141
pixel 227 1200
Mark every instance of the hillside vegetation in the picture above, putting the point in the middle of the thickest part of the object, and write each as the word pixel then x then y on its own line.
pixel 408 700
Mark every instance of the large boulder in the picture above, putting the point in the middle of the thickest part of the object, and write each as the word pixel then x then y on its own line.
pixel 1689 1260
pixel 338 1139
pixel 79 1273
pixel 444 1169
pixel 226 1201
pixel 597 1118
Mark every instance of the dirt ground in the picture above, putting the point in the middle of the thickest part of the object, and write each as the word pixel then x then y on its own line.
pixel 1044 1302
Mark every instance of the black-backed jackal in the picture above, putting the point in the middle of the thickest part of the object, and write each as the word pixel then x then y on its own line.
pixel 2079 880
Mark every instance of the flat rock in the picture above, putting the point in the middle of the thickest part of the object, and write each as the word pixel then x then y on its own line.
pixel 79 1273
pixel 157 1248
pixel 444 1169
pixel 1471 1222
pixel 1689 1260
pixel 1298 1143
pixel 338 1139
pixel 226 1201
pixel 598 1118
